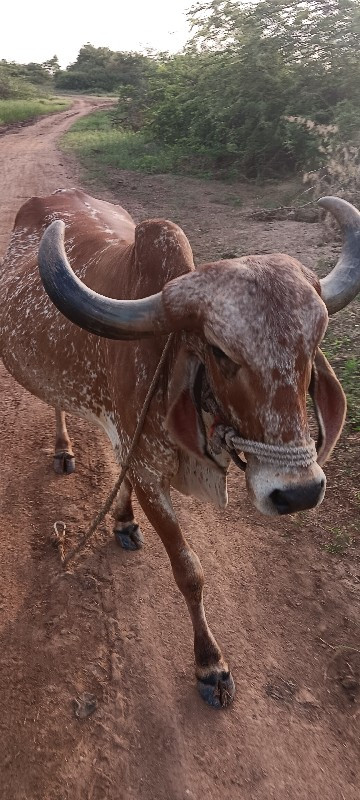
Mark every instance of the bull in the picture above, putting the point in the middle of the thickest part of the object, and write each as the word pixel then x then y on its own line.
pixel 244 354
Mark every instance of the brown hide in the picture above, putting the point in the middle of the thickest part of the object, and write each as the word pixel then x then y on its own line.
pixel 330 405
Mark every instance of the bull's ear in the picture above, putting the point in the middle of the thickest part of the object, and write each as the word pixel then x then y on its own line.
pixel 329 403
pixel 183 421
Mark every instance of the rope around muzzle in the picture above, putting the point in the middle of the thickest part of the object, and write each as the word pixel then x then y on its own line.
pixel 59 538
pixel 278 455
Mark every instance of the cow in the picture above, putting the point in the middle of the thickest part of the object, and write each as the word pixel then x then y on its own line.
pixel 243 355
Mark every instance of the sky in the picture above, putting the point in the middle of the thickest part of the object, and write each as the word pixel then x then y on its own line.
pixel 35 30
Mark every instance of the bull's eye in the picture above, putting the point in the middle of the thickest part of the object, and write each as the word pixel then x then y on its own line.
pixel 227 366
pixel 219 354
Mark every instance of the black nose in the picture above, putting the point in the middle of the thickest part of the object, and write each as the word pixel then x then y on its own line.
pixel 297 498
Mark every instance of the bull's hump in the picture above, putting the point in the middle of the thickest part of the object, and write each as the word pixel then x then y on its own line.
pixel 77 209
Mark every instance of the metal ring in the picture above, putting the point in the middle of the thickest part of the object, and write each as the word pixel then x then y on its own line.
pixel 59 522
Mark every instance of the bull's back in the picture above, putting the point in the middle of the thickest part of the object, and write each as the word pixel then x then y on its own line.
pixel 47 354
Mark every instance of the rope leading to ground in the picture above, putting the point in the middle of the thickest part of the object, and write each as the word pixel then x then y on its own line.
pixel 59 538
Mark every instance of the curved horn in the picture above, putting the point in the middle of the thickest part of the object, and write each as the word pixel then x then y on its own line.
pixel 343 282
pixel 113 319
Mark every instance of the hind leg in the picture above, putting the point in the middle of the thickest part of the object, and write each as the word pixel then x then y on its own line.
pixel 127 532
pixel 64 461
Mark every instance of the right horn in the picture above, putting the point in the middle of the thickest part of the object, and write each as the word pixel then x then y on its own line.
pixel 343 282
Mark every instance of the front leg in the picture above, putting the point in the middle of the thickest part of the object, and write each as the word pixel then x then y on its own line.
pixel 127 532
pixel 214 680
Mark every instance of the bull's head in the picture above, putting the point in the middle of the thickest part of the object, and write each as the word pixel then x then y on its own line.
pixel 249 355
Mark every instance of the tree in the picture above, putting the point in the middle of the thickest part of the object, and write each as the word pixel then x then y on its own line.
pixel 247 69
pixel 52 66
pixel 253 66
pixel 99 68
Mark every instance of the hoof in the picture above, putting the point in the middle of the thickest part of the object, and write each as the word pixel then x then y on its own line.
pixel 64 463
pixel 217 689
pixel 130 538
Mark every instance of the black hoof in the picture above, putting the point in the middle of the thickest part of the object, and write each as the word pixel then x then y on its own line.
pixel 217 689
pixel 130 538
pixel 64 463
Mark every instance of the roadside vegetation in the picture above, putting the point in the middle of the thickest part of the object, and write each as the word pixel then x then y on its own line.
pixel 97 142
pixel 342 348
pixel 26 91
pixel 261 91
pixel 22 110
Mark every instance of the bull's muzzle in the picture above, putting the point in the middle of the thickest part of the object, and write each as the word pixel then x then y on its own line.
pixel 298 498
pixel 274 491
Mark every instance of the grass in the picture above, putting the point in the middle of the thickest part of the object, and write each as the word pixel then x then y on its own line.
pixel 339 542
pixel 97 142
pixel 339 349
pixel 24 109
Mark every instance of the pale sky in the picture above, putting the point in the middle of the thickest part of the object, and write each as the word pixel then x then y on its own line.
pixel 35 30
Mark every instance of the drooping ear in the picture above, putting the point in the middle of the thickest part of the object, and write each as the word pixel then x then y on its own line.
pixel 183 420
pixel 329 403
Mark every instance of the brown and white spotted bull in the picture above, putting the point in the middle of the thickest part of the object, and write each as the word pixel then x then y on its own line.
pixel 244 354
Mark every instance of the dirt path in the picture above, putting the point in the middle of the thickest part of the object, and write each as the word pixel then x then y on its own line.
pixel 285 609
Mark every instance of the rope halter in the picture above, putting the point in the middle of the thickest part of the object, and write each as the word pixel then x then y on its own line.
pixel 278 455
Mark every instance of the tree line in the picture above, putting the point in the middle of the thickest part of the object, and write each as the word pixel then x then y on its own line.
pixel 259 90
pixel 27 80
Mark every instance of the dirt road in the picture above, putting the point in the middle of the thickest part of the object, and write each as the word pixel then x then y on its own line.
pixel 284 608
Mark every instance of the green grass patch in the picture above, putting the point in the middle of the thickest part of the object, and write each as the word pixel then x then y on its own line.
pixel 339 349
pixel 97 142
pixel 23 109
pixel 339 542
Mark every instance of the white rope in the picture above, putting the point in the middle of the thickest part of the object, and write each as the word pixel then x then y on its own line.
pixel 280 455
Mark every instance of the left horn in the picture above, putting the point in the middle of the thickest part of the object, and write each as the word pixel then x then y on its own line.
pixel 343 282
pixel 113 319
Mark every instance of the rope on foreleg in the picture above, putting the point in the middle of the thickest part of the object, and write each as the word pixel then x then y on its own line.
pixel 58 538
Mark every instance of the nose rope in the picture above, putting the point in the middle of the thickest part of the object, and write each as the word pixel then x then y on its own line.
pixel 279 455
